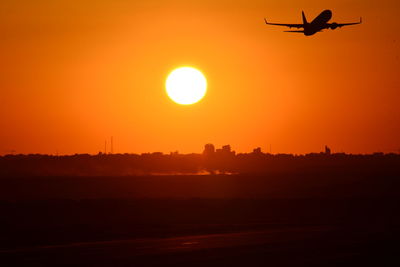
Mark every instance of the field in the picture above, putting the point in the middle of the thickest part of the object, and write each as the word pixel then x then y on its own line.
pixel 199 221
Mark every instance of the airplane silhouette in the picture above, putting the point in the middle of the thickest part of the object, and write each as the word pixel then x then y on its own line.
pixel 318 24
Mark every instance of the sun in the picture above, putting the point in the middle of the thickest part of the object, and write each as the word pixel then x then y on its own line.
pixel 186 85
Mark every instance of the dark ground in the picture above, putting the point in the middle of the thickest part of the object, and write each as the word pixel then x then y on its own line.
pixel 200 221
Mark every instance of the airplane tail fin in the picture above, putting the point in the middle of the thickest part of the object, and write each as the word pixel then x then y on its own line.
pixel 304 18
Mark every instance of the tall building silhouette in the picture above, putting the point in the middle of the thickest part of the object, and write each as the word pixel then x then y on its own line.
pixel 327 150
pixel 209 150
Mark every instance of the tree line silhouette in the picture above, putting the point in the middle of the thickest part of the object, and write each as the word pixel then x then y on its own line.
pixel 211 161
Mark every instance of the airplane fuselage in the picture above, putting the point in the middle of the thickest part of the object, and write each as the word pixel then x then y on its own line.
pixel 318 24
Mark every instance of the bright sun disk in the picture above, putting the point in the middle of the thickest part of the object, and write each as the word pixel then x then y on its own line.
pixel 186 85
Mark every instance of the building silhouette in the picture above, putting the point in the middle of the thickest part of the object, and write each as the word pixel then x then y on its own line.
pixel 327 150
pixel 209 150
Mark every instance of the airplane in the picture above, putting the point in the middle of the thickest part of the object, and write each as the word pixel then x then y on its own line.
pixel 318 24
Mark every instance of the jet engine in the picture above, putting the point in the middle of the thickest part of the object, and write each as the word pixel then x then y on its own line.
pixel 334 25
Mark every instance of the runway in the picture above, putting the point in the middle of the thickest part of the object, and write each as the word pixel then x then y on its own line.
pixel 160 251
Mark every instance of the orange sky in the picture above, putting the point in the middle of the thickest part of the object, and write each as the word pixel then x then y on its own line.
pixel 73 73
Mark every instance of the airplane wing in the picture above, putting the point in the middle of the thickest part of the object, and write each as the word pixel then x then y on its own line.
pixel 286 25
pixel 334 25
pixel 295 31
